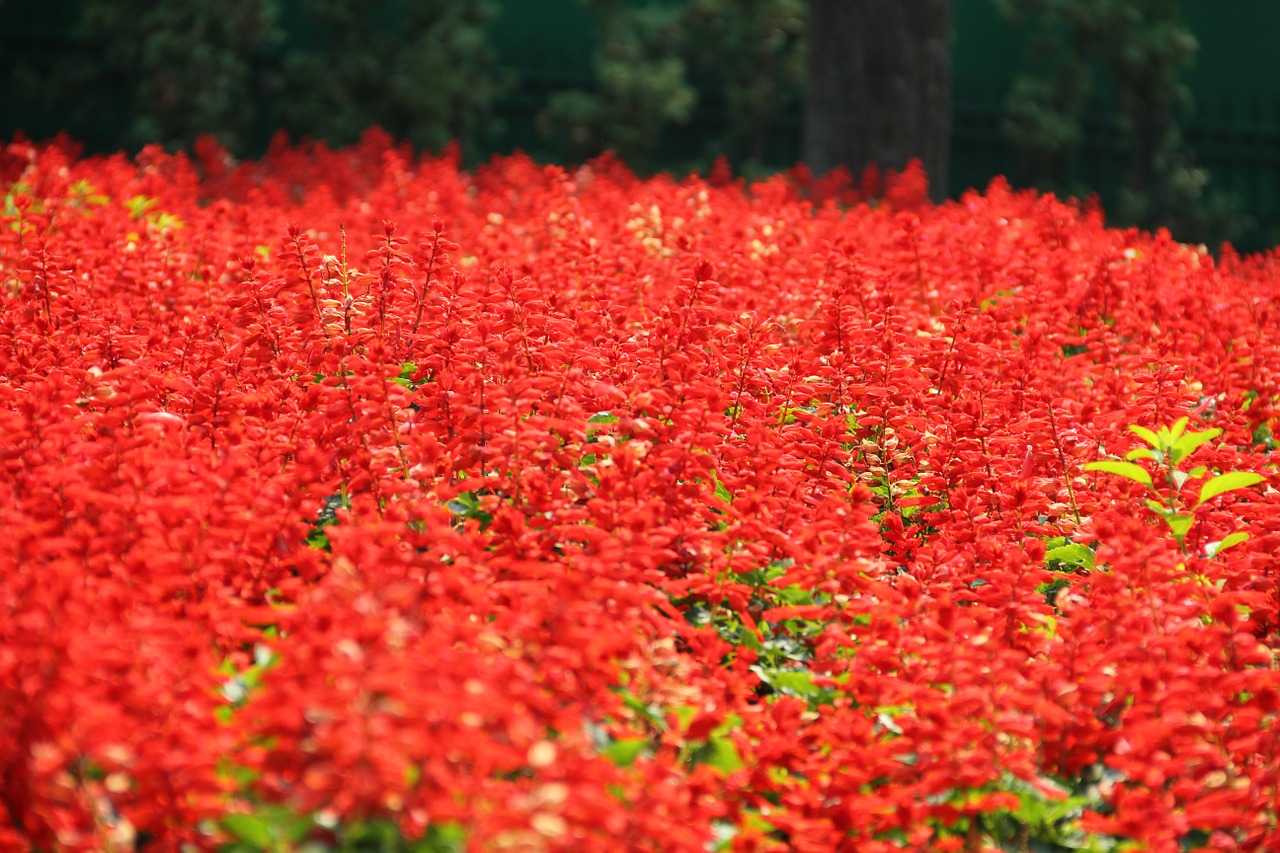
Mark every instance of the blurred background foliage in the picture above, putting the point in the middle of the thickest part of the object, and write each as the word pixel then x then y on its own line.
pixel 740 61
pixel 241 69
pixel 1089 96
pixel 1129 56
pixel 423 71
pixel 641 85
pixel 192 65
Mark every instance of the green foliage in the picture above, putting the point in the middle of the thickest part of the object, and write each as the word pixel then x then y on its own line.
pixel 240 684
pixel 407 372
pixel 327 516
pixel 279 829
pixel 466 507
pixel 714 749
pixel 423 71
pixel 420 70
pixel 1045 822
pixel 9 208
pixel 1067 558
pixel 782 649
pixel 188 66
pixel 1123 57
pixel 1166 449
pixel 653 61
pixel 1062 555
pixel 641 85
pixel 717 752
pixel 624 751
pixel 757 67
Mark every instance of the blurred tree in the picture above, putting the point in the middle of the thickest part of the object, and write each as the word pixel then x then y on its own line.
pixel 421 70
pixel 732 69
pixel 167 71
pixel 1119 57
pixel 754 51
pixel 641 86
pixel 187 67
pixel 878 86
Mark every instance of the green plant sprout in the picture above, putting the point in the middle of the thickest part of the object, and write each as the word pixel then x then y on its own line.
pixel 1168 448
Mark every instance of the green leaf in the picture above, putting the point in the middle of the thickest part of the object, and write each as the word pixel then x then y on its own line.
pixel 441 838
pixel 793 682
pixel 250 829
pixel 467 506
pixel 748 638
pixel 1074 554
pixel 318 539
pixel 623 753
pixel 1228 482
pixel 650 713
pixel 602 418
pixel 721 754
pixel 1128 470
pixel 1213 549
pixel 1180 477
pixel 721 492
pixel 685 715
pixel 1179 524
pixel 139 205
pixel 1146 435
pixel 1190 443
pixel 166 221
pixel 1145 453
pixel 407 371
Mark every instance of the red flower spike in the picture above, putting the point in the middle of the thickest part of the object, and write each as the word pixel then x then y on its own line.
pixel 526 523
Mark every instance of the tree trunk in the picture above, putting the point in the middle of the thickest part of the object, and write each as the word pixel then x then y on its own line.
pixel 879 86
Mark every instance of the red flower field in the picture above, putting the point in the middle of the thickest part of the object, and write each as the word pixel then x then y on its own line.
pixel 351 501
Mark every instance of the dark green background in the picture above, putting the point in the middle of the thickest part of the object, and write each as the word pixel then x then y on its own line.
pixel 546 46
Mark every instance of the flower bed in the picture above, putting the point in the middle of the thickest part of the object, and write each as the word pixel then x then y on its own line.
pixel 349 498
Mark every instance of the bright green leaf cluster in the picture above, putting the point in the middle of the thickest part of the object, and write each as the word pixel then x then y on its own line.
pixel 279 829
pixel 467 506
pixel 1167 448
